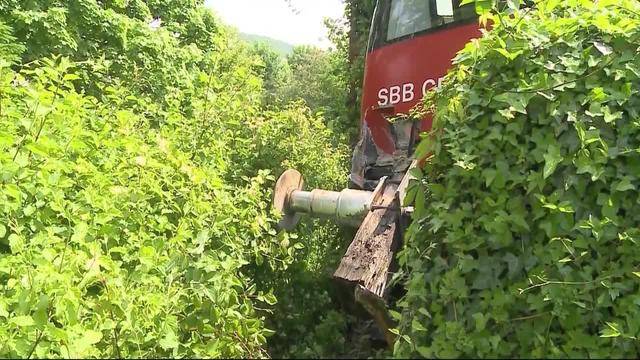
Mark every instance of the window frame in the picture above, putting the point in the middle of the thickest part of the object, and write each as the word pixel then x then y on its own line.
pixel 380 26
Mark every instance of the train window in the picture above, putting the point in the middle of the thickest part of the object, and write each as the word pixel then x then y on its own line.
pixel 400 19
pixel 408 17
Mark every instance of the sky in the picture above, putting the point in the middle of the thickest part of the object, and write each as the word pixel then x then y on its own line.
pixel 276 19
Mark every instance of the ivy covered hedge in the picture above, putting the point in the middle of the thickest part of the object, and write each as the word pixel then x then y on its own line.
pixel 525 240
pixel 136 163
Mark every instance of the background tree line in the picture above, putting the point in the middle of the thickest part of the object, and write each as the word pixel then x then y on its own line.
pixel 328 81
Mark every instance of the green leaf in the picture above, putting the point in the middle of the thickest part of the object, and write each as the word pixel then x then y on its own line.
pixel 79 233
pixel 37 149
pixel 13 191
pixel 420 202
pixel 612 331
pixel 514 4
pixel 611 117
pixel 71 77
pixel 270 299
pixel 483 6
pixel 481 321
pixel 395 315
pixel 7 139
pixel 422 150
pixel 424 312
pixel 169 341
pixel 424 352
pixel 552 158
pixel 22 321
pixel 147 255
pixel 509 55
pixel 412 191
pixel 40 316
pixel 416 172
pixel 3 310
pixel 517 101
pixel 91 337
pixel 624 185
pixel 417 326
pixel 489 176
pixel 16 243
pixel 29 210
pixel 550 5
pixel 57 333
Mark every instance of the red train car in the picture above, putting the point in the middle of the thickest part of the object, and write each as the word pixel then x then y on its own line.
pixel 411 47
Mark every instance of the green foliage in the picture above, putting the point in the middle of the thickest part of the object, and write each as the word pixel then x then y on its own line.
pixel 273 70
pixel 316 77
pixel 116 42
pixel 525 234
pixel 280 47
pixel 351 40
pixel 311 75
pixel 9 51
pixel 293 138
pixel 114 242
pixel 135 177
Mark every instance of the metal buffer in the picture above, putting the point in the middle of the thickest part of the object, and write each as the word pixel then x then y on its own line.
pixel 368 262
pixel 347 207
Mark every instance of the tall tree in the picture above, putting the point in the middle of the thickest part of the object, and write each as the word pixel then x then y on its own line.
pixel 359 14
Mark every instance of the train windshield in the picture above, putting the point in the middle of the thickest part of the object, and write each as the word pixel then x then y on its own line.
pixel 397 20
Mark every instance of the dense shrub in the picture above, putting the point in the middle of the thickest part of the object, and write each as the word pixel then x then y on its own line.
pixel 307 320
pixel 135 177
pixel 350 35
pixel 113 242
pixel 525 236
pixel 151 47
pixel 316 77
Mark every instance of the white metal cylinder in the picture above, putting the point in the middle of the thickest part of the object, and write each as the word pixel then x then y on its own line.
pixel 347 207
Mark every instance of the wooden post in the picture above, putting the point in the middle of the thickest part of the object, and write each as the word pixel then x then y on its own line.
pixel 365 266
pixel 367 262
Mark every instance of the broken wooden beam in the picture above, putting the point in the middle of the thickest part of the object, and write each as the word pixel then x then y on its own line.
pixel 369 256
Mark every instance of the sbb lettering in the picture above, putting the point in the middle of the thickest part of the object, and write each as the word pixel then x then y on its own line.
pixel 428 84
pixel 383 97
pixel 394 97
pixel 406 92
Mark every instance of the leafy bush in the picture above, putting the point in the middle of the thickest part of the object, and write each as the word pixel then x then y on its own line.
pixel 304 321
pixel 317 77
pixel 135 178
pixel 273 69
pixel 525 235
pixel 9 51
pixel 310 75
pixel 294 138
pixel 350 36
pixel 114 242
pixel 117 42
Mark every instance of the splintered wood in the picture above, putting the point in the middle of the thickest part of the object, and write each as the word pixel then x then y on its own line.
pixel 369 256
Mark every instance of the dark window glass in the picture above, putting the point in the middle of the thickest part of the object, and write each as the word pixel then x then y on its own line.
pixel 397 20
pixel 408 17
